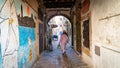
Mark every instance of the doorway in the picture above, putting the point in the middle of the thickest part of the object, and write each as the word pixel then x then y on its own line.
pixel 55 27
pixel 86 41
pixel 40 38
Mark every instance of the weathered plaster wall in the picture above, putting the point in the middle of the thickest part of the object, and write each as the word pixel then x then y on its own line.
pixel 106 33
pixel 73 19
pixel 86 32
pixel 34 5
pixel 86 52
pixel 27 35
pixel 9 34
pixel 17 34
pixel 78 28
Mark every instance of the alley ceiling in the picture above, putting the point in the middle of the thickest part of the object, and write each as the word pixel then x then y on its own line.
pixel 58 3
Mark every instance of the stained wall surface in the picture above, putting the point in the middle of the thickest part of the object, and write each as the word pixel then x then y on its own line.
pixel 104 32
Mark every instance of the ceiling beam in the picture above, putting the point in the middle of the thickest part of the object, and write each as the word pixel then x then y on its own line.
pixel 58 4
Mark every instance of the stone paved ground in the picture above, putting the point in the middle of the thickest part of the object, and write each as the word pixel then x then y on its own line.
pixel 55 59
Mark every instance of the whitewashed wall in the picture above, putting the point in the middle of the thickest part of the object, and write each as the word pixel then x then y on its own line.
pixel 106 33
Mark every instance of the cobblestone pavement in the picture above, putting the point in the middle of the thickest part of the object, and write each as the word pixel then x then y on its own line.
pixel 55 59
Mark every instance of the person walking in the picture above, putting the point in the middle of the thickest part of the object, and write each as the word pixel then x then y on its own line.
pixel 64 41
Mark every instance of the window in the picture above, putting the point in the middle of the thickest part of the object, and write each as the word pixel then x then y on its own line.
pixel 86 33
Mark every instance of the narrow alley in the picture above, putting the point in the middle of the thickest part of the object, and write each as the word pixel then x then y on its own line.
pixel 59 33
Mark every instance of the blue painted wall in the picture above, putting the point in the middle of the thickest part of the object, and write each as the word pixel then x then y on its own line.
pixel 1 3
pixel 24 33
pixel 24 46
pixel 0 57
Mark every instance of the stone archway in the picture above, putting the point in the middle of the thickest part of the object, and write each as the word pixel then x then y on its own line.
pixel 67 26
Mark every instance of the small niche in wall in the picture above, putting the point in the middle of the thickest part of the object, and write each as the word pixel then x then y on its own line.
pixel 86 41
pixel 97 50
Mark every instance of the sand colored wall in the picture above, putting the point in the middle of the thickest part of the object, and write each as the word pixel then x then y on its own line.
pixel 106 33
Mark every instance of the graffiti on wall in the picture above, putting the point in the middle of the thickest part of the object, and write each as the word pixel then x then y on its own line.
pixel 8 34
pixel 17 34
pixel 26 21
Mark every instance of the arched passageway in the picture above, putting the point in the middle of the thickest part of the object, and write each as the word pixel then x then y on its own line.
pixel 55 27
